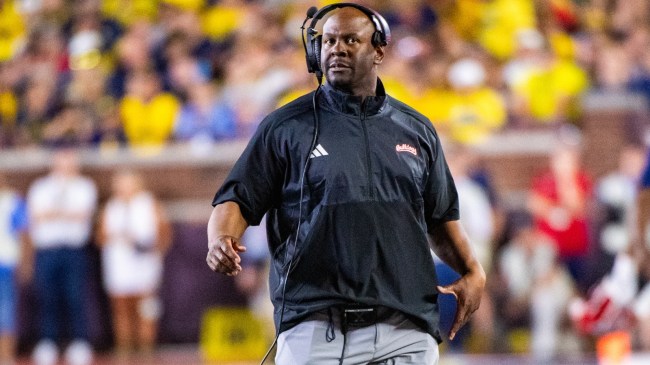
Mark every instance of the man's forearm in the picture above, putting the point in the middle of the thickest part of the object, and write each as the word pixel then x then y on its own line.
pixel 451 245
pixel 226 219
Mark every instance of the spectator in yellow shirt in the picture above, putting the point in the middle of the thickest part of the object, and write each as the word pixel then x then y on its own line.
pixel 128 12
pixel 12 30
pixel 418 80
pixel 550 94
pixel 492 24
pixel 222 20
pixel 474 110
pixel 147 113
pixel 8 105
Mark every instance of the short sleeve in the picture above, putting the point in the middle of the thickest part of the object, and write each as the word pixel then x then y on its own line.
pixel 254 182
pixel 440 197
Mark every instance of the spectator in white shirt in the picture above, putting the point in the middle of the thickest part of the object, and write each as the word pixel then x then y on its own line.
pixel 134 234
pixel 61 207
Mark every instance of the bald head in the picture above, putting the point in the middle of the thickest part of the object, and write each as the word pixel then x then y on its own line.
pixel 348 57
pixel 351 18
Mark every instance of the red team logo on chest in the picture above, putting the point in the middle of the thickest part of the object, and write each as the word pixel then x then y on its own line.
pixel 406 148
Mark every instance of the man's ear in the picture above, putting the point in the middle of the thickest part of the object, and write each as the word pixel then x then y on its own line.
pixel 379 55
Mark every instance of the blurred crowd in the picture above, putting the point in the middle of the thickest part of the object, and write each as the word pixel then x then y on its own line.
pixel 151 72
pixel 568 266
pixel 147 73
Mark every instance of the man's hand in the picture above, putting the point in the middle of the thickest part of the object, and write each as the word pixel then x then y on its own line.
pixel 451 244
pixel 223 255
pixel 468 291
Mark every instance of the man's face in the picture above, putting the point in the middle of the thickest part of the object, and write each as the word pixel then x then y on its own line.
pixel 348 58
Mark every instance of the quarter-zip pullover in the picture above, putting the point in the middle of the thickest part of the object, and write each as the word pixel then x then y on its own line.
pixel 375 185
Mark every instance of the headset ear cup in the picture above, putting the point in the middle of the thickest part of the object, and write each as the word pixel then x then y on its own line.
pixel 377 39
pixel 382 35
pixel 318 40
pixel 310 52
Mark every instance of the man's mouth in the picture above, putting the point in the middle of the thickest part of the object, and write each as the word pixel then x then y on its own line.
pixel 338 66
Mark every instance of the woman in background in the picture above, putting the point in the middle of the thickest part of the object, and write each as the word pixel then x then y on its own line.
pixel 134 234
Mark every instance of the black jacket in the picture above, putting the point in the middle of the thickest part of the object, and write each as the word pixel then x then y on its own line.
pixel 375 184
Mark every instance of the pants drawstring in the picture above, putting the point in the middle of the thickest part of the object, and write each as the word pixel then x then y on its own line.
pixel 330 335
pixel 343 349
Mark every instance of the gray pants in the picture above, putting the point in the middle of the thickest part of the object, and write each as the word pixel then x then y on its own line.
pixel 394 341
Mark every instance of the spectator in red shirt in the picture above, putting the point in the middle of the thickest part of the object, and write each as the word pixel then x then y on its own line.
pixel 558 201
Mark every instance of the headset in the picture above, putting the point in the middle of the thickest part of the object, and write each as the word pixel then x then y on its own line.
pixel 381 37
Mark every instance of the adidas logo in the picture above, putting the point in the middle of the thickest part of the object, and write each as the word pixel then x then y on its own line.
pixel 318 152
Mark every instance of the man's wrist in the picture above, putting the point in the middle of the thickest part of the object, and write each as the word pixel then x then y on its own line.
pixel 222 237
pixel 476 270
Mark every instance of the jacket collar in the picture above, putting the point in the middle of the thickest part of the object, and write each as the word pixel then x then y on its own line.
pixel 352 105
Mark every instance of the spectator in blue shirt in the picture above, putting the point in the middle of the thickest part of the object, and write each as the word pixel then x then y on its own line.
pixel 13 224
pixel 205 115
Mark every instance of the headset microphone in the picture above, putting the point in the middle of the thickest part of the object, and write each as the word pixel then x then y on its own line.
pixel 310 33
pixel 310 13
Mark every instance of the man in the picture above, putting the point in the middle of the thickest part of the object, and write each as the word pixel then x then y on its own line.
pixel 352 278
pixel 61 206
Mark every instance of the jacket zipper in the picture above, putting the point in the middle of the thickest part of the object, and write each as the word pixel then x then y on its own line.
pixel 362 119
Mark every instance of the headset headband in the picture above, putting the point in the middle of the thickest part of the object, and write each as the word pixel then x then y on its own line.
pixel 378 21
